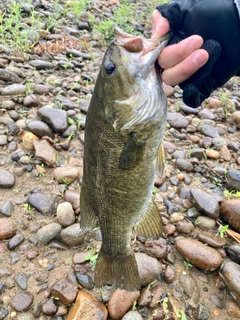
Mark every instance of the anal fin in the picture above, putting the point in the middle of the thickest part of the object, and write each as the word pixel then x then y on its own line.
pixel 120 271
pixel 88 220
pixel 150 224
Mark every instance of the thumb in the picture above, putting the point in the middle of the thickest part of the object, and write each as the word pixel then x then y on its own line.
pixel 160 25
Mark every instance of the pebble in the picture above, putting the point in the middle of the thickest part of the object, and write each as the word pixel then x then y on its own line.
pixel 177 120
pixel 7 179
pixel 49 307
pixel 15 241
pixel 184 226
pixel 56 118
pixel 212 240
pixel 230 273
pixel 191 289
pixel 45 152
pixel 72 197
pixel 21 280
pixel 230 213
pixel 73 235
pixel 132 315
pixel 120 302
pixel 145 297
pixel 236 119
pixel 233 179
pixel 210 131
pixel 169 274
pixel 65 291
pixel 148 268
pixel 87 307
pixel 7 208
pixel 85 281
pixel 184 165
pixel 43 202
pixel 39 128
pixel 198 254
pixel 13 90
pixel 65 174
pixel 22 301
pixel 157 248
pixel 48 232
pixel 65 214
pixel 14 257
pixel 7 228
pixel 41 64
pixel 206 202
pixel 233 310
pixel 31 101
pixel 233 252
pixel 205 223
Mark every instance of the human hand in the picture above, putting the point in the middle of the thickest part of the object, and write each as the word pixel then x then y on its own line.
pixel 217 24
pixel 180 60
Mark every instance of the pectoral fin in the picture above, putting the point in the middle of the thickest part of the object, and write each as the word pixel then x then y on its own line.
pixel 150 224
pixel 132 153
pixel 88 219
pixel 160 161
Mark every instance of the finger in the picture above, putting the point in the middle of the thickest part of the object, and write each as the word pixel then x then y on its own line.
pixel 186 68
pixel 160 25
pixel 174 54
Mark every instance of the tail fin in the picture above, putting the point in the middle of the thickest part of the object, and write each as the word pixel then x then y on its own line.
pixel 120 271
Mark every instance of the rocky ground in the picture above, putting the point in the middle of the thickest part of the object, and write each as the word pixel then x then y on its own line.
pixel 46 266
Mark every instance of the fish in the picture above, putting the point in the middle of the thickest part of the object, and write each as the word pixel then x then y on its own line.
pixel 123 150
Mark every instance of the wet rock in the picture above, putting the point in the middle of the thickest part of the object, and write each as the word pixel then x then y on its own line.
pixel 169 274
pixel 184 165
pixel 15 241
pixel 191 289
pixel 65 291
pixel 205 223
pixel 205 202
pixel 149 268
pixel 43 202
pixel 177 120
pixel 7 179
pixel 230 273
pixel 39 128
pixel 7 228
pixel 65 214
pixel 212 240
pixel 21 280
pixel 48 232
pixel 198 254
pixel 185 227
pixel 7 208
pixel 120 302
pixel 22 301
pixel 156 248
pixel 233 179
pixel 230 212
pixel 85 280
pixel 56 118
pixel 87 307
pixel 233 252
pixel 65 174
pixel 145 297
pixel 73 235
pixel 49 307
pixel 169 229
pixel 45 152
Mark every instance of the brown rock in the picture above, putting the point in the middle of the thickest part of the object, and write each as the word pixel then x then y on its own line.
pixel 79 257
pixel 169 229
pixel 157 248
pixel 45 152
pixel 120 302
pixel 233 310
pixel 157 293
pixel 212 240
pixel 65 174
pixel 28 140
pixel 198 254
pixel 185 226
pixel 22 301
pixel 149 268
pixel 65 291
pixel 214 103
pixel 213 154
pixel 145 297
pixel 7 228
pixel 225 154
pixel 230 212
pixel 169 274
pixel 194 139
pixel 87 307
pixel 49 307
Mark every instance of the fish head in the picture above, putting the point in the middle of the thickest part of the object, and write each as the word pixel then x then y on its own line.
pixel 131 85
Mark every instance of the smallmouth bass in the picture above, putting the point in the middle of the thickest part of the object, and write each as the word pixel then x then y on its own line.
pixel 123 133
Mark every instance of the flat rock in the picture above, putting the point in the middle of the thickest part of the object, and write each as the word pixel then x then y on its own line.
pixel 212 240
pixel 87 307
pixel 22 301
pixel 48 232
pixel 41 64
pixel 65 291
pixel 157 248
pixel 7 208
pixel 13 90
pixel 230 213
pixel 210 131
pixel 7 179
pixel 7 228
pixel 177 120
pixel 45 152
pixel 230 273
pixel 120 302
pixel 205 202
pixel 66 174
pixel 43 202
pixel 15 241
pixel 56 118
pixel 198 254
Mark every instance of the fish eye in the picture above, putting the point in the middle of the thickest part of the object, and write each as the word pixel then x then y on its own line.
pixel 110 68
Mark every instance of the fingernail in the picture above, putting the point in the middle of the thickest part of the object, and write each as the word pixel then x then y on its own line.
pixel 199 58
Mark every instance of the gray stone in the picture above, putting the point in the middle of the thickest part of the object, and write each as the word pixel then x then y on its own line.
pixel 7 179
pixel 210 131
pixel 233 179
pixel 205 202
pixel 48 232
pixel 41 64
pixel 184 165
pixel 73 235
pixel 177 120
pixel 13 90
pixel 56 118
pixel 43 202
pixel 149 268
pixel 7 208
pixel 39 128
pixel 21 280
